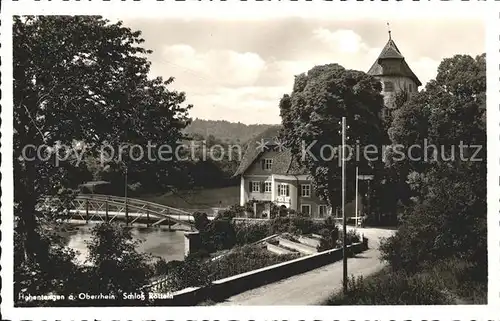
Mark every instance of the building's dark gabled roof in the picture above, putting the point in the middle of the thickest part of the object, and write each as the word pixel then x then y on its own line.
pixel 283 161
pixel 391 52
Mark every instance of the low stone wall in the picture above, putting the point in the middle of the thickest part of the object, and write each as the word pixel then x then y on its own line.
pixel 224 288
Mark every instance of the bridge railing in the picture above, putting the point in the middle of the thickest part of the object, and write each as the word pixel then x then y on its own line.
pixel 150 208
pixel 90 203
pixel 173 210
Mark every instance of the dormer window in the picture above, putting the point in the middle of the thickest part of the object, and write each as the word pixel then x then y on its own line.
pixel 267 164
pixel 388 86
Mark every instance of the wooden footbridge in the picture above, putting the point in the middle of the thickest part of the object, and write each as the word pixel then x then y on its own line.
pixel 107 208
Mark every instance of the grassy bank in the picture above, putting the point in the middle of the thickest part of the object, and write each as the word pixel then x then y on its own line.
pixel 198 198
pixel 451 281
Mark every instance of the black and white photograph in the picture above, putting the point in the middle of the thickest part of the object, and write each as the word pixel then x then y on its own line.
pixel 269 161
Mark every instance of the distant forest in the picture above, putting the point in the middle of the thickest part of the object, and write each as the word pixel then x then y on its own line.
pixel 225 131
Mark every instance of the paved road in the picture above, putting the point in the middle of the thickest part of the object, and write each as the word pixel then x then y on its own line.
pixel 313 287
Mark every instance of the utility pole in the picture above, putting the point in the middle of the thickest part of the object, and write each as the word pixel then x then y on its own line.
pixel 356 205
pixel 344 219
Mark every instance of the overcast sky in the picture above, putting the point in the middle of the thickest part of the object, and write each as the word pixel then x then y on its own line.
pixel 239 70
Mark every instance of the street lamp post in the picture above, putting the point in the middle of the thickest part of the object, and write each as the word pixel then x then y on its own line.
pixel 344 226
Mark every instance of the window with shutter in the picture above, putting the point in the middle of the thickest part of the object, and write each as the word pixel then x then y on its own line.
pixel 255 187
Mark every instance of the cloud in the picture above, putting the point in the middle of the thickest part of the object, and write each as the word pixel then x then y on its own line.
pixel 226 84
pixel 252 104
pixel 425 68
pixel 342 40
pixel 222 67
pixel 238 70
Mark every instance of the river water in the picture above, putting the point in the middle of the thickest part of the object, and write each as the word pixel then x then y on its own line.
pixel 156 241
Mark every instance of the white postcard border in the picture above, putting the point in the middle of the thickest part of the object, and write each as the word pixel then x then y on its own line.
pixel 255 10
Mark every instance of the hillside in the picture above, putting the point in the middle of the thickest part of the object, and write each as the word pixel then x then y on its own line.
pixel 225 131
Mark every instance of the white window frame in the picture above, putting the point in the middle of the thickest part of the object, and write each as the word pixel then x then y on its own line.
pixel 303 189
pixel 267 164
pixel 255 183
pixel 283 190
pixel 305 205
pixel 268 187
pixel 325 213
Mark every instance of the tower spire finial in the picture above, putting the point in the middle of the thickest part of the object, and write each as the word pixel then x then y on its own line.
pixel 389 30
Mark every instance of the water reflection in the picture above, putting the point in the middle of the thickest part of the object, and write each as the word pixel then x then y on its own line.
pixel 156 241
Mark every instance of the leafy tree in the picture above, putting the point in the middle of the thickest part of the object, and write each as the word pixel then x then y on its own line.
pixel 201 221
pixel 43 277
pixel 82 79
pixel 448 111
pixel 312 115
pixel 449 221
pixel 115 265
pixel 448 213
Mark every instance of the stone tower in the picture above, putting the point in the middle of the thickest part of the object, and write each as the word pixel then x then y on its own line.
pixel 394 74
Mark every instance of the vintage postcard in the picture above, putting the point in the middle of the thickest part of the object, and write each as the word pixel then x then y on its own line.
pixel 250 160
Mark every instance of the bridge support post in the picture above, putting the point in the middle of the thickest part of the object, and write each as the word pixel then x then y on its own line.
pixel 147 216
pixel 87 210
pixel 192 242
pixel 107 214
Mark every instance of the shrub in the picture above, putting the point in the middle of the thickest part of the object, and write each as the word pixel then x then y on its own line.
pixel 390 289
pixel 116 265
pixel 449 220
pixel 295 225
pixel 352 237
pixel 219 234
pixel 188 273
pixel 244 259
pixel 329 239
pixel 201 221
pixel 250 233
pixel 444 282
pixel 231 212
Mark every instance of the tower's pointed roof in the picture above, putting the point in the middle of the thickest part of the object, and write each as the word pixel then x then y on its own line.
pixel 390 52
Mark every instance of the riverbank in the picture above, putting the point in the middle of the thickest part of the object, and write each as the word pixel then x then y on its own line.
pixel 161 242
